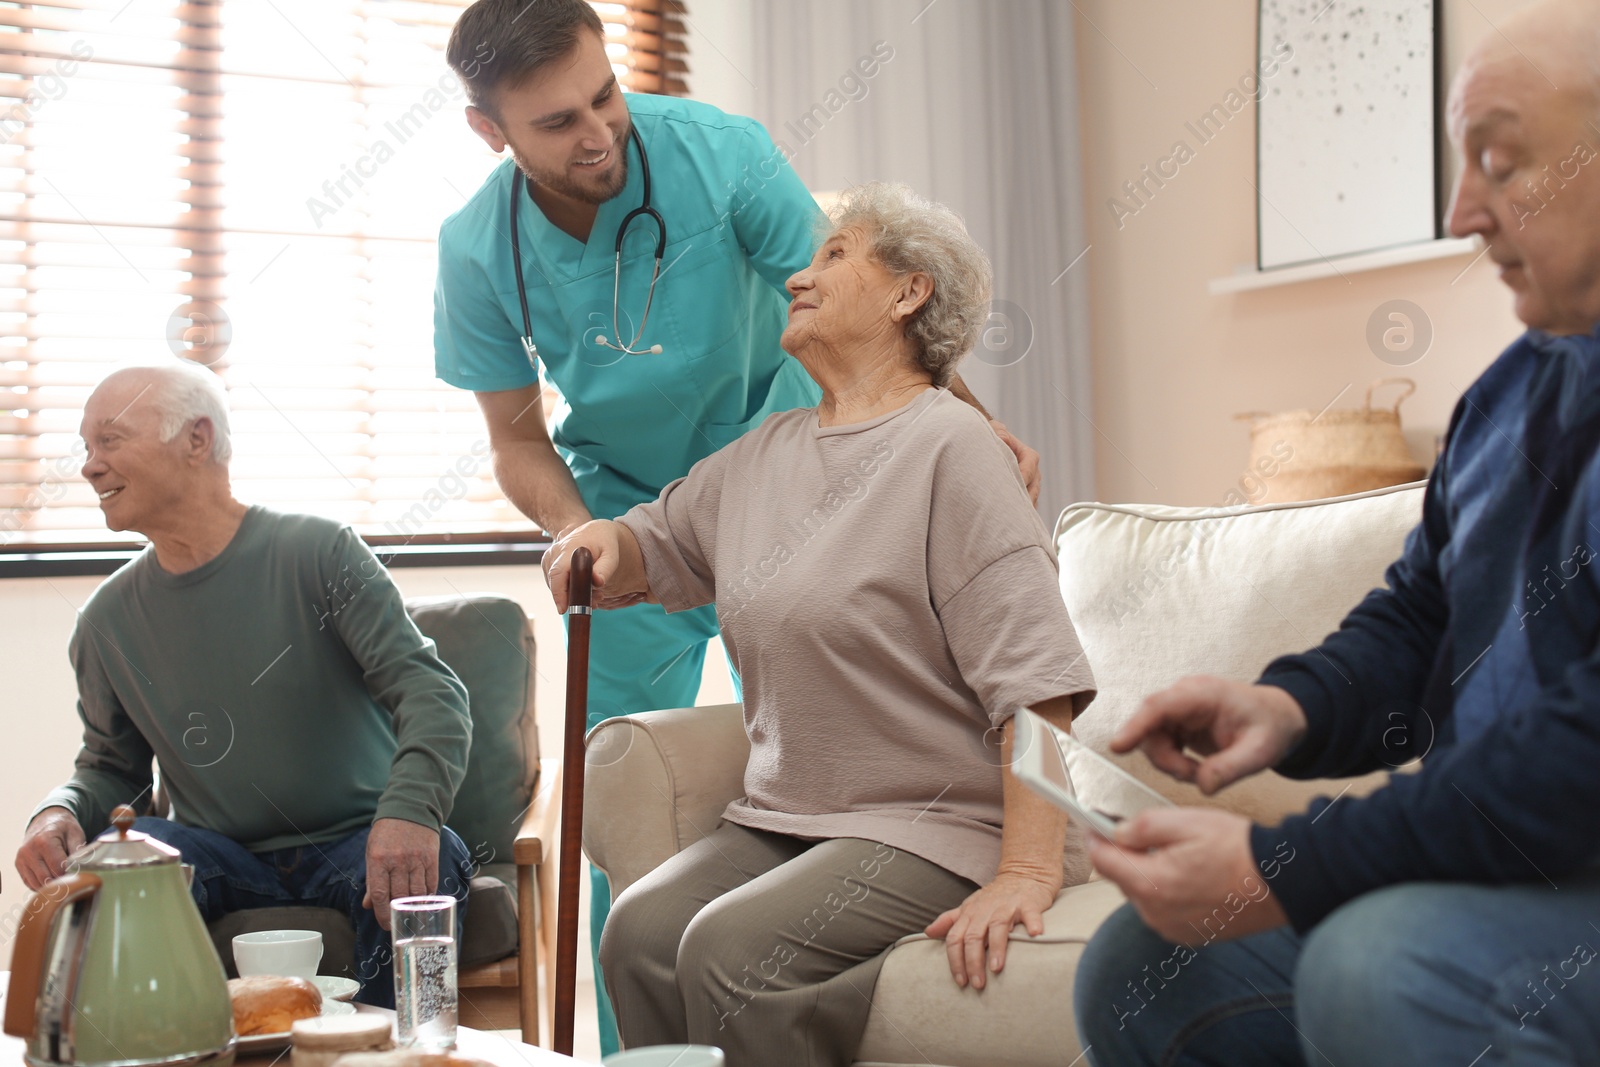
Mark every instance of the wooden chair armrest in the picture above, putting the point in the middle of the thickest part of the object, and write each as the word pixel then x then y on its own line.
pixel 536 839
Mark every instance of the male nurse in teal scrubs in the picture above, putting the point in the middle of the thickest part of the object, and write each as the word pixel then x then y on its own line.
pixel 738 223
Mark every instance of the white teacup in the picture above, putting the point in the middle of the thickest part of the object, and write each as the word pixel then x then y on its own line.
pixel 668 1056
pixel 292 953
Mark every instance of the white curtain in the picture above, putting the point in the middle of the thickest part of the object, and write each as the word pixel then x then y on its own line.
pixel 972 103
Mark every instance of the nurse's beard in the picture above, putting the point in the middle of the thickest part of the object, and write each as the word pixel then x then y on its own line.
pixel 595 191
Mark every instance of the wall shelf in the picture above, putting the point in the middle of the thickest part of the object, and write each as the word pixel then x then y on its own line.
pixel 1250 278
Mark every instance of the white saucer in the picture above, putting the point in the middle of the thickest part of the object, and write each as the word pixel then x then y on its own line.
pixel 256 1043
pixel 333 987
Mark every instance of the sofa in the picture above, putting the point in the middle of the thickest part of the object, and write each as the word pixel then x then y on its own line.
pixel 1156 593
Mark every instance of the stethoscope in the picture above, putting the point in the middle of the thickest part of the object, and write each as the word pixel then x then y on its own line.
pixel 517 184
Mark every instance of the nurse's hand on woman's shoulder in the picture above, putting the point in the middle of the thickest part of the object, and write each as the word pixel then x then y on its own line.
pixel 1027 459
pixel 619 578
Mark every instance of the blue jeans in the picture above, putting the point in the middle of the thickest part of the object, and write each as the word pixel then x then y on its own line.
pixel 229 877
pixel 1423 973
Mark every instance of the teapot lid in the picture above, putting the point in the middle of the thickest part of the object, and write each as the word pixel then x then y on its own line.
pixel 122 846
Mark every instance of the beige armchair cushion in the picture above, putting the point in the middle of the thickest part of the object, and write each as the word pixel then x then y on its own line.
pixel 656 783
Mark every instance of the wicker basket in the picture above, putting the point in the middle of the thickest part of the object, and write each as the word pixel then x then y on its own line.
pixel 1305 455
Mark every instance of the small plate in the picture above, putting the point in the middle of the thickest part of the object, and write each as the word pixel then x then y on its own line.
pixel 258 1043
pixel 335 988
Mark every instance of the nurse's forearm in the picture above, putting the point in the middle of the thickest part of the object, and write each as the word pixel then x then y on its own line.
pixel 959 388
pixel 534 478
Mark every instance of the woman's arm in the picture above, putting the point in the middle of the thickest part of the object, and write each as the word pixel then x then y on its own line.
pixel 1032 839
pixel 1033 835
pixel 619 576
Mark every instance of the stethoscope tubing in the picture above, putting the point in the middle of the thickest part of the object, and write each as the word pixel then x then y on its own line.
pixel 519 183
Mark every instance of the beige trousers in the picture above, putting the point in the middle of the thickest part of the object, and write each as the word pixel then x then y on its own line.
pixel 765 945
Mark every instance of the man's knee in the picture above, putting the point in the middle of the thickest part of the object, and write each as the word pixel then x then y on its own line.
pixel 1381 958
pixel 210 855
pixel 206 850
pixel 1105 990
pixel 166 831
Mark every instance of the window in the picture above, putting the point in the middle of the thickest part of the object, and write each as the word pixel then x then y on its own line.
pixel 255 184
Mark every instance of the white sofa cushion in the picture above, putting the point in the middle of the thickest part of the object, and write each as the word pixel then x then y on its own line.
pixel 1158 593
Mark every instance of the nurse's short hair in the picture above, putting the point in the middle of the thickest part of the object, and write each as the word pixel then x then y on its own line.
pixel 908 233
pixel 499 44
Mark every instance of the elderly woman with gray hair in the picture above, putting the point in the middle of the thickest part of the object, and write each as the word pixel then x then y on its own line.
pixel 888 596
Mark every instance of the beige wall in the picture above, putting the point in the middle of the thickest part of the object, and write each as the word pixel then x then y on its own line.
pixel 40 727
pixel 1173 363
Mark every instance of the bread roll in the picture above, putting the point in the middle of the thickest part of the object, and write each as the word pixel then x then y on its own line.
pixel 268 1004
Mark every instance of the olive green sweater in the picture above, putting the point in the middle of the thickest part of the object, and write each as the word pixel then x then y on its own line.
pixel 282 688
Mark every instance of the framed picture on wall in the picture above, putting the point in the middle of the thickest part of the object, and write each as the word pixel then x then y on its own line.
pixel 1346 140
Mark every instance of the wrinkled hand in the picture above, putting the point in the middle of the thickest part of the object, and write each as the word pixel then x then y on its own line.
pixel 1239 728
pixel 402 861
pixel 601 538
pixel 1027 459
pixel 52 836
pixel 984 920
pixel 1190 874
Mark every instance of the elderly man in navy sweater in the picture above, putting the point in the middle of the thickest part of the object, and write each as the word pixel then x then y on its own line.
pixel 1452 917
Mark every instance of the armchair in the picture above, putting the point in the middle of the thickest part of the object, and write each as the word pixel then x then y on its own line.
pixel 506 812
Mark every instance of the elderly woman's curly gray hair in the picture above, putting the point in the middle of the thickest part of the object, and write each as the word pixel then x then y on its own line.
pixel 908 233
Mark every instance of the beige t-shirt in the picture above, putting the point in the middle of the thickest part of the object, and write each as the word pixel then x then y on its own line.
pixel 888 595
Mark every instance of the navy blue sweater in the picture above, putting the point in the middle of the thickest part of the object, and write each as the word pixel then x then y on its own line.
pixel 1480 655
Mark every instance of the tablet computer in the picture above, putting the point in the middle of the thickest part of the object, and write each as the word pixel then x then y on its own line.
pixel 1042 756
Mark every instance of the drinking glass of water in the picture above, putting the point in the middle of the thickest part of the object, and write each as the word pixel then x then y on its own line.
pixel 424 930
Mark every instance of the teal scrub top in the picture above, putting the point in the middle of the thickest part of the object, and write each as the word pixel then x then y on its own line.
pixel 739 223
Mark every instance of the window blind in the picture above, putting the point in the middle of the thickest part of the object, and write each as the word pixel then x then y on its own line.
pixel 255 185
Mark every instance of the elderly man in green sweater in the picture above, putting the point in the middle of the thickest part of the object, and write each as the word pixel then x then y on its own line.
pixel 310 739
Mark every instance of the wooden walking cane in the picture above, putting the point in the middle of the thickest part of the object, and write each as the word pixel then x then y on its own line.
pixel 579 609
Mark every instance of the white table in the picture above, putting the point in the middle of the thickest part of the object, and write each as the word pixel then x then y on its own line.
pixel 488 1045
pixel 491 1045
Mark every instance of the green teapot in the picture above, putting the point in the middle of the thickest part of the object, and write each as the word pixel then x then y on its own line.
pixel 112 964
